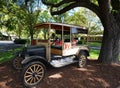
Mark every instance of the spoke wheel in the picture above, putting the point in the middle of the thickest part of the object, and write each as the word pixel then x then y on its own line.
pixel 17 63
pixel 82 59
pixel 33 73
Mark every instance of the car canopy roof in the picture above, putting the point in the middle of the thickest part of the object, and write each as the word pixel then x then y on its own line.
pixel 60 26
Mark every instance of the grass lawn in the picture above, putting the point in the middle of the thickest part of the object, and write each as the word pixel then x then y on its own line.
pixel 95 44
pixel 8 55
pixel 94 53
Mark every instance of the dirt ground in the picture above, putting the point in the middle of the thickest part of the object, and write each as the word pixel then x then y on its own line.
pixel 94 75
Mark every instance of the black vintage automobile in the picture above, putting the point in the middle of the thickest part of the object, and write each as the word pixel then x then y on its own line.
pixel 60 45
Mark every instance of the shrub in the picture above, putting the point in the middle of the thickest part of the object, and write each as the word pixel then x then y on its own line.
pixel 20 41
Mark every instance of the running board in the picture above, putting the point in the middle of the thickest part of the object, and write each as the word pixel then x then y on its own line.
pixel 62 62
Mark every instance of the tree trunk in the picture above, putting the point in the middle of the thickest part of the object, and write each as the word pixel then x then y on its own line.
pixel 115 21
pixel 19 30
pixel 110 45
pixel 31 35
pixel 106 48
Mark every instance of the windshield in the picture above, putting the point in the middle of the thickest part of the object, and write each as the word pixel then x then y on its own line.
pixel 41 33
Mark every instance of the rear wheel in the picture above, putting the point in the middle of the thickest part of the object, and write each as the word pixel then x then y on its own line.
pixel 33 73
pixel 82 59
pixel 16 63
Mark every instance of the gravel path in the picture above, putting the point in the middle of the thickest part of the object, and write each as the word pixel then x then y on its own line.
pixel 94 75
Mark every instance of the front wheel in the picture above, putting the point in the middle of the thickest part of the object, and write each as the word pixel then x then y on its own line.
pixel 33 73
pixel 82 59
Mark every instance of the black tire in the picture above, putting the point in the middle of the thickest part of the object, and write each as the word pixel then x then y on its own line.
pixel 33 73
pixel 16 63
pixel 82 59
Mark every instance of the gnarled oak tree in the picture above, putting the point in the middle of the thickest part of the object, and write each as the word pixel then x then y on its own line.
pixel 109 13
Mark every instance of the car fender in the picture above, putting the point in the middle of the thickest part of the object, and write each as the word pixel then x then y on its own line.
pixel 84 50
pixel 33 58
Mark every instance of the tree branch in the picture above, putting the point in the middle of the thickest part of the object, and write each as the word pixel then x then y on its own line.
pixel 47 3
pixel 86 4
pixel 63 2
pixel 115 4
pixel 60 3
pixel 75 3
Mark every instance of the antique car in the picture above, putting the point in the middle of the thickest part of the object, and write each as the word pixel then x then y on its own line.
pixel 58 45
